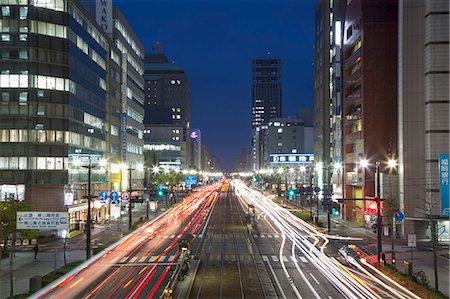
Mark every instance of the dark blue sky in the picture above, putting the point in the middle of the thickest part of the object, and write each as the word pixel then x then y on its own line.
pixel 215 41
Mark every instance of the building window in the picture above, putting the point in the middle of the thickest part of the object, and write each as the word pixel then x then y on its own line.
pixel 23 37
pixel 6 37
pixel 40 93
pixel 23 12
pixel 114 130
pixel 23 54
pixel 6 11
pixel 5 96
pixel 280 130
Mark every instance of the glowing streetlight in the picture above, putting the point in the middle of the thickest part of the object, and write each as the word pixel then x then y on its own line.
pixel 364 163
pixel 76 162
pixel 155 169
pixel 291 170
pixel 102 162
pixel 337 166
pixel 392 163
pixel 302 168
pixel 280 170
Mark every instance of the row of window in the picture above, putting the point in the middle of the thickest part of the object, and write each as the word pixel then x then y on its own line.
pixel 83 46
pixel 128 38
pixel 135 149
pixel 39 163
pixel 50 136
pixel 23 12
pixel 135 115
pixel 137 66
pixel 36 81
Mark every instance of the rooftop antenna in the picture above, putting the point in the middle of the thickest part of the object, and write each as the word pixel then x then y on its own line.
pixel 157 47
pixel 269 53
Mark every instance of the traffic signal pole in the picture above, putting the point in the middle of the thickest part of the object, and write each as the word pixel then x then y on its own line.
pixel 130 206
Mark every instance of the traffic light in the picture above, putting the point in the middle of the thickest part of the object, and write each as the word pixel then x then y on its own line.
pixel 291 192
pixel 160 193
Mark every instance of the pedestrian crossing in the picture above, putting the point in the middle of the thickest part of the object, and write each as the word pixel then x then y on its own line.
pixel 266 236
pixel 285 258
pixel 148 259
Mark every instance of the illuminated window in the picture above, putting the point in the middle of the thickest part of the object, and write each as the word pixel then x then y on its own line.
pixel 23 12
pixel 6 37
pixel 5 96
pixel 6 11
pixel 41 163
pixel 23 97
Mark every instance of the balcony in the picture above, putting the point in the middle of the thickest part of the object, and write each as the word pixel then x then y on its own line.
pixel 356 56
pixel 353 98
pixel 352 137
pixel 352 117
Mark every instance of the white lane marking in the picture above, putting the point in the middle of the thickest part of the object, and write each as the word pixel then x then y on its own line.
pixel 207 219
pixel 200 236
pixel 303 259
pixel 275 277
pixel 285 259
pixel 275 258
pixel 172 236
pixel 269 236
pixel 152 259
pixel 265 258
pixel 162 258
pixel 171 258
pixel 293 259
pixel 312 276
pixel 123 260
pixel 133 259
pixel 143 259
pixel 276 236
pixel 255 235
pixel 263 236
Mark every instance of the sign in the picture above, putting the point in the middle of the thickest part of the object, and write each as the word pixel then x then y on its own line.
pixel 103 15
pixel 399 216
pixel 103 196
pixel 411 240
pixel 443 184
pixel 42 220
pixel 291 158
pixel 114 196
pixel 160 187
pixel 68 199
pixel 125 195
pixel 360 171
pixel 191 180
pixel 124 136
pixel 153 206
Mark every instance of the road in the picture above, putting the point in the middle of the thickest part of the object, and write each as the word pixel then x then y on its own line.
pixel 139 265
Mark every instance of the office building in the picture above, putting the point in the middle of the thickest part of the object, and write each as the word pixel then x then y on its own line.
pixel 242 161
pixel 55 109
pixel 265 103
pixel 423 115
pixel 168 102
pixel 195 151
pixel 328 23
pixel 370 99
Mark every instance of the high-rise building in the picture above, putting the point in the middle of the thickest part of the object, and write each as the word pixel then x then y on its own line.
pixel 423 115
pixel 195 143
pixel 328 23
pixel 58 68
pixel 369 99
pixel 168 104
pixel 242 161
pixel 266 103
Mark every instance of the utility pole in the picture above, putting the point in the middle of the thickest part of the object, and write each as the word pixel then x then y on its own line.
pixel 434 236
pixel 88 220
pixel 379 219
pixel 130 205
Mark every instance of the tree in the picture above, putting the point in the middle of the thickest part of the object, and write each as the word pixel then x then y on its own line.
pixel 8 212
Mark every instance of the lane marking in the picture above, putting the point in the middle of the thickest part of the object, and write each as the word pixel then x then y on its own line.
pixel 76 282
pixel 312 276
pixel 263 236
pixel 123 260
pixel 152 259
pixel 171 258
pixel 285 259
pixel 172 236
pixel 128 283
pixel 143 269
pixel 163 257
pixel 293 259
pixel 276 236
pixel 133 259
pixel 269 236
pixel 303 259
pixel 143 259
pixel 275 258
pixel 265 258
pixel 255 235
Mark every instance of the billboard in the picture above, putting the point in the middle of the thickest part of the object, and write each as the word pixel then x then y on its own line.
pixel 104 15
pixel 443 184
pixel 291 158
pixel 42 220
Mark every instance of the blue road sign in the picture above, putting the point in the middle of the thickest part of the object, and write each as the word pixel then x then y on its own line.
pixel 399 216
pixel 191 180
pixel 125 195
pixel 114 196
pixel 160 187
pixel 103 196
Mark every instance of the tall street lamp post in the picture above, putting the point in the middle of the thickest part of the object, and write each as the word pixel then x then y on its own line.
pixel 379 219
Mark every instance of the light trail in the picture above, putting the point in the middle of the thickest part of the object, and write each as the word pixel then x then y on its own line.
pixel 301 233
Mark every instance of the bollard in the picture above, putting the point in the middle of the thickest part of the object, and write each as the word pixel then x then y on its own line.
pixel 35 284
pixel 407 268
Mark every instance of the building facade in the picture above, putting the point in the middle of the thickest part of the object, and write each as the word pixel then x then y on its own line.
pixel 370 98
pixel 423 115
pixel 265 103
pixel 55 109
pixel 168 103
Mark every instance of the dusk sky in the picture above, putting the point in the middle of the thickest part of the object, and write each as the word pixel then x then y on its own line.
pixel 215 41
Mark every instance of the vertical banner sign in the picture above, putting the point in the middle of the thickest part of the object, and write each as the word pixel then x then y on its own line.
pixel 360 171
pixel 443 184
pixel 103 15
pixel 124 106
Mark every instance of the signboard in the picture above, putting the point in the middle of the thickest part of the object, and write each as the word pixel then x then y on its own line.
pixel 42 220
pixel 153 205
pixel 103 15
pixel 160 187
pixel 125 195
pixel 103 196
pixel 443 184
pixel 360 171
pixel 191 180
pixel 291 158
pixel 114 196
pixel 68 199
pixel 411 240
pixel 399 216
pixel 124 136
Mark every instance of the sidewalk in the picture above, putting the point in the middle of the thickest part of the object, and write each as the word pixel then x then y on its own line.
pixel 50 256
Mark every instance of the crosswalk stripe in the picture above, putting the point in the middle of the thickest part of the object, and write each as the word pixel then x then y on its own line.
pixel 302 258
pixel 293 258
pixel 123 260
pixel 162 258
pixel 263 236
pixel 275 258
pixel 276 236
pixel 172 236
pixel 269 236
pixel 255 235
pixel 152 259
pixel 265 258
pixel 171 258
pixel 285 259
pixel 133 259
pixel 142 259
